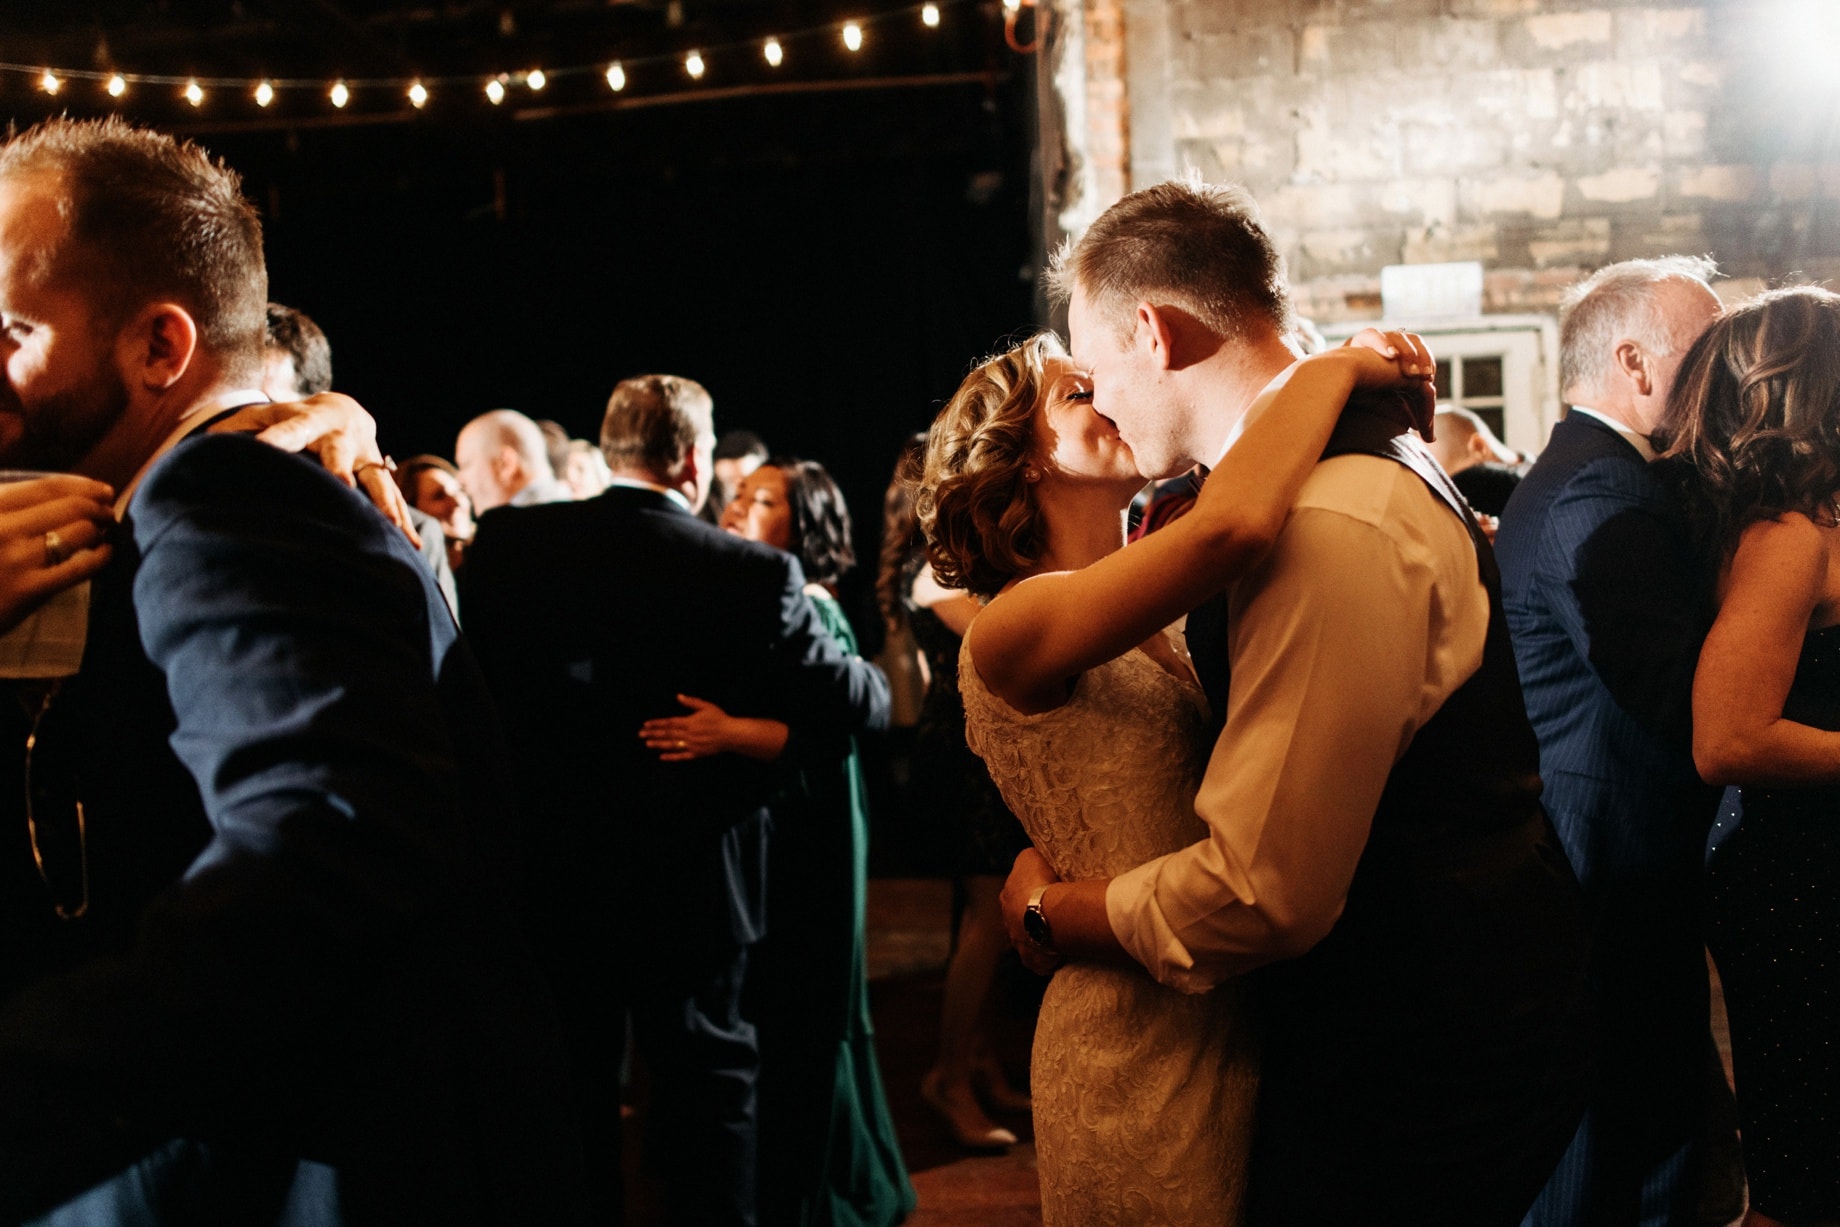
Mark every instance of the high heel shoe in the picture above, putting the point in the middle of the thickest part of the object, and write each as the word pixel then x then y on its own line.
pixel 963 1118
pixel 996 1091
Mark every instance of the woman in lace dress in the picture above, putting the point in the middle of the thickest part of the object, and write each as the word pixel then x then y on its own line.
pixel 1092 724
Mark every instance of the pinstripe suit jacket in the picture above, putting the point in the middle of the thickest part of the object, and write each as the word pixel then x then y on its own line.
pixel 1605 604
pixel 1602 590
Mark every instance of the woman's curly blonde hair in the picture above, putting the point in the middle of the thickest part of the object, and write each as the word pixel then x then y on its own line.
pixel 975 502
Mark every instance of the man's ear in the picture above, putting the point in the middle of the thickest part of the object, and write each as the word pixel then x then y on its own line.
pixel 1632 363
pixel 688 479
pixel 1478 447
pixel 1154 329
pixel 506 464
pixel 157 347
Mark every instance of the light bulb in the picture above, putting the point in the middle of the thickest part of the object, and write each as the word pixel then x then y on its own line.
pixel 616 76
pixel 693 64
pixel 774 53
pixel 265 94
pixel 194 93
pixel 418 95
pixel 929 16
pixel 852 36
pixel 339 94
pixel 118 85
pixel 495 90
pixel 535 79
pixel 49 83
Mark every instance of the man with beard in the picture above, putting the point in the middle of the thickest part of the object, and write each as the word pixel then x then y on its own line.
pixel 255 956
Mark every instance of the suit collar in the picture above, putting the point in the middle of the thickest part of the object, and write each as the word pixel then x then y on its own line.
pixel 1591 417
pixel 633 494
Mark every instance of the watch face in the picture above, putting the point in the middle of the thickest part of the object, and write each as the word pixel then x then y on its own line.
pixel 1036 926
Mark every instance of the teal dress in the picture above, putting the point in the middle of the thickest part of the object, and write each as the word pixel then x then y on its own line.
pixel 828 1153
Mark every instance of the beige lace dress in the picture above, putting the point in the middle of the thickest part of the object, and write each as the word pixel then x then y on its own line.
pixel 1143 1095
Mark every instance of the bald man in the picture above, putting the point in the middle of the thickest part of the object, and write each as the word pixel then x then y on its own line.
pixel 503 460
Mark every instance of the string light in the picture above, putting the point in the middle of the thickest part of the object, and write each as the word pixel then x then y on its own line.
pixel 341 93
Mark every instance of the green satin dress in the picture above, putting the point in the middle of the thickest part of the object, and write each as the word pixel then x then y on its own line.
pixel 828 1153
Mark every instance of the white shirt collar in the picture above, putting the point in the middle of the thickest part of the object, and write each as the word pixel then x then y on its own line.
pixel 190 421
pixel 635 483
pixel 1638 441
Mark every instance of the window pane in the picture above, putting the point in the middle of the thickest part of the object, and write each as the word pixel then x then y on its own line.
pixel 1481 377
pixel 1491 416
pixel 1443 379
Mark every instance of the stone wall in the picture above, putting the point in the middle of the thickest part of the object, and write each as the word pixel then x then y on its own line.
pixel 1543 138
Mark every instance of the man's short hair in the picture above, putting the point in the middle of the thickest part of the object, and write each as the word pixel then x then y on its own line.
pixel 653 423
pixel 1619 302
pixel 153 219
pixel 295 334
pixel 1198 245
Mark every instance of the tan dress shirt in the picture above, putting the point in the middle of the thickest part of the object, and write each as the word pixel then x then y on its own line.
pixel 1352 632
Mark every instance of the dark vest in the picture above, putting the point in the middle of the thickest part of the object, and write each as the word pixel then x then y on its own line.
pixel 1427 1056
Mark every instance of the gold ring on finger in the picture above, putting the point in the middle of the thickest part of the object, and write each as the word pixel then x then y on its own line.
pixel 55 549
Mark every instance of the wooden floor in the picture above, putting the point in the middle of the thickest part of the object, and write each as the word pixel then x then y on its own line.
pixel 909 937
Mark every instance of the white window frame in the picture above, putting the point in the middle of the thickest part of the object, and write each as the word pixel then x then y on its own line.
pixel 1528 346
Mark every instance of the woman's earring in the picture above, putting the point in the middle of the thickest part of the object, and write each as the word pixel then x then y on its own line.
pixel 1031 474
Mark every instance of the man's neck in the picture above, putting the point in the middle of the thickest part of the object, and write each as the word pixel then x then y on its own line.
pixel 142 431
pixel 1227 384
pixel 650 481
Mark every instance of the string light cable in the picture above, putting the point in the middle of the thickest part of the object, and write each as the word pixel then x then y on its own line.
pixel 118 84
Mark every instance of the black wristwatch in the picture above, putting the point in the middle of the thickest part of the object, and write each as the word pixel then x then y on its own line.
pixel 1035 922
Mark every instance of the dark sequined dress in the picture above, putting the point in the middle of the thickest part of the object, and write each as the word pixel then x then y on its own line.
pixel 1774 898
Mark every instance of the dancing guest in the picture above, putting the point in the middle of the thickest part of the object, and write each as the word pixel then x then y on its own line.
pixel 648 872
pixel 1755 418
pixel 1602 588
pixel 1093 726
pixel 952 788
pixel 432 486
pixel 257 963
pixel 828 1148
pixel 1358 853
pixel 503 458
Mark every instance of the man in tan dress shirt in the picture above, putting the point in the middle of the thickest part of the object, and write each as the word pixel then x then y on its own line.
pixel 1417 927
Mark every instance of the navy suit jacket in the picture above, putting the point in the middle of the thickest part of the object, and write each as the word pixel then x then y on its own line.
pixel 1604 597
pixel 297 978
pixel 592 617
pixel 1606 603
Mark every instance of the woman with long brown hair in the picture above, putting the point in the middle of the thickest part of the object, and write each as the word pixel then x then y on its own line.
pixel 1754 426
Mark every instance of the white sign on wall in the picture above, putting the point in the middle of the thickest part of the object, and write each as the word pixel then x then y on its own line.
pixel 1431 291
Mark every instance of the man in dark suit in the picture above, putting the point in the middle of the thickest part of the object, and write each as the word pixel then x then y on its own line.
pixel 256 959
pixel 1604 597
pixel 591 618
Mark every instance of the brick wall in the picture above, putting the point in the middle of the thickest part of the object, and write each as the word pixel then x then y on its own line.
pixel 1541 137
